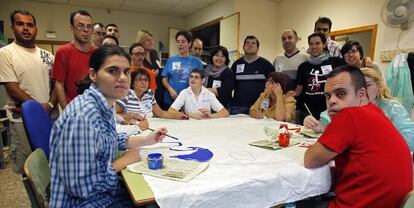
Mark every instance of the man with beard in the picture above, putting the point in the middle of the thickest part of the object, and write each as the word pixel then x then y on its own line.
pixel 251 72
pixel 72 59
pixel 24 71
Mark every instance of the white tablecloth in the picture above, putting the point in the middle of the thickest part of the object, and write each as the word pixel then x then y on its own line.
pixel 239 175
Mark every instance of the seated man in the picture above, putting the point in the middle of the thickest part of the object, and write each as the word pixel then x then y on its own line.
pixel 197 101
pixel 368 150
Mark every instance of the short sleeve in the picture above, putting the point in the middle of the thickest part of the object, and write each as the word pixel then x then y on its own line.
pixel 59 66
pixel 167 68
pixel 179 101
pixel 340 133
pixel 299 75
pixel 215 103
pixel 7 73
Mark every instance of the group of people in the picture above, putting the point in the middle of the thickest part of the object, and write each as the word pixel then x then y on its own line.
pixel 98 84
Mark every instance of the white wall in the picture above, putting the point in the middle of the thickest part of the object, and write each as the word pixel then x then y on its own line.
pixel 259 18
pixel 56 18
pixel 301 15
pixel 221 8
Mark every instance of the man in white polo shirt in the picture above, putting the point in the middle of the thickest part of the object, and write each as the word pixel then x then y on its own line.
pixel 197 101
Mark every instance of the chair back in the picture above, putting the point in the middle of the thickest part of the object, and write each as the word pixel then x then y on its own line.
pixel 408 200
pixel 37 124
pixel 36 168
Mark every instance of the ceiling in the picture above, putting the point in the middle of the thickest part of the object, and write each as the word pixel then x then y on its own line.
pixel 175 8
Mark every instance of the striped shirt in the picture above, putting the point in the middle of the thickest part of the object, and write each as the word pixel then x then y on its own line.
pixel 133 104
pixel 83 144
pixel 334 48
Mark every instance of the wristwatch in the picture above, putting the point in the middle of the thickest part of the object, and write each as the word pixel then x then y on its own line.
pixel 51 105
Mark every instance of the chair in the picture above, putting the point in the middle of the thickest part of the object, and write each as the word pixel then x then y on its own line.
pixel 408 200
pixel 36 168
pixel 37 124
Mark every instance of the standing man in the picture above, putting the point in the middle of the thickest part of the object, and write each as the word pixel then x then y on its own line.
pixel 197 49
pixel 324 25
pixel 289 61
pixel 137 53
pixel 251 72
pixel 112 29
pixel 72 59
pixel 98 34
pixel 24 71
pixel 367 148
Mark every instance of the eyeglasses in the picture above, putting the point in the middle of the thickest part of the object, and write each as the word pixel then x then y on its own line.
pixel 81 26
pixel 197 48
pixel 195 77
pixel 352 51
pixel 139 54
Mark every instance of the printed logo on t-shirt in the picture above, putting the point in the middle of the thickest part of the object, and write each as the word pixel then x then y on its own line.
pixel 240 68
pixel 326 69
pixel 314 81
pixel 216 84
pixel 279 67
pixel 176 66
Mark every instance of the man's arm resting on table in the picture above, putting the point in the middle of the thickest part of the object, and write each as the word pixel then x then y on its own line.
pixel 60 93
pixel 318 155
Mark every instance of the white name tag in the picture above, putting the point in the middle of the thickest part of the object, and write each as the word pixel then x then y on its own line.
pixel 216 83
pixel 265 104
pixel 240 68
pixel 326 69
pixel 279 67
pixel 176 65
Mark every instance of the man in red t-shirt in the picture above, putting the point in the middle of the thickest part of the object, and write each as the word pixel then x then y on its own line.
pixel 72 59
pixel 373 162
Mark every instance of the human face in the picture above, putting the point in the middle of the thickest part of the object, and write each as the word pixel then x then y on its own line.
pixel 323 28
pixel 182 45
pixel 353 57
pixel 138 56
pixel 148 42
pixel 289 41
pixel 82 28
pixel 372 89
pixel 340 93
pixel 109 41
pixel 219 59
pixel 316 46
pixel 250 47
pixel 113 78
pixel 197 48
pixel 97 35
pixel 195 80
pixel 24 30
pixel 112 30
pixel 141 84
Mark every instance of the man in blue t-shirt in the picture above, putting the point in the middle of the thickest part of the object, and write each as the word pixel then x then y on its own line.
pixel 251 72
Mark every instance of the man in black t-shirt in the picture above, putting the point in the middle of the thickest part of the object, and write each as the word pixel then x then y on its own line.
pixel 250 73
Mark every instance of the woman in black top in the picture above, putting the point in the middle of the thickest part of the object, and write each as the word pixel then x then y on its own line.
pixel 220 78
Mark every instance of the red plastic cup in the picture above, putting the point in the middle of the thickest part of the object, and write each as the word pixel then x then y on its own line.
pixel 284 139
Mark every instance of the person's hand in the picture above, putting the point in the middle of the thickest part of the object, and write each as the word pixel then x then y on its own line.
pixel 173 94
pixel 257 114
pixel 311 123
pixel 206 113
pixel 143 124
pixel 156 136
pixel 277 89
pixel 137 117
pixel 181 115
pixel 196 115
pixel 131 156
pixel 47 107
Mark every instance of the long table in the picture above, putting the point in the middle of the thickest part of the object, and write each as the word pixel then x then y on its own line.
pixel 239 175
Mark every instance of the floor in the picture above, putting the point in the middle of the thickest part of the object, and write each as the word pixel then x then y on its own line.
pixel 12 192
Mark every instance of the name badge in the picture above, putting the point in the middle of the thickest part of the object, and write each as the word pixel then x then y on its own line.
pixel 216 83
pixel 240 68
pixel 326 69
pixel 176 65
pixel 279 67
pixel 265 104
